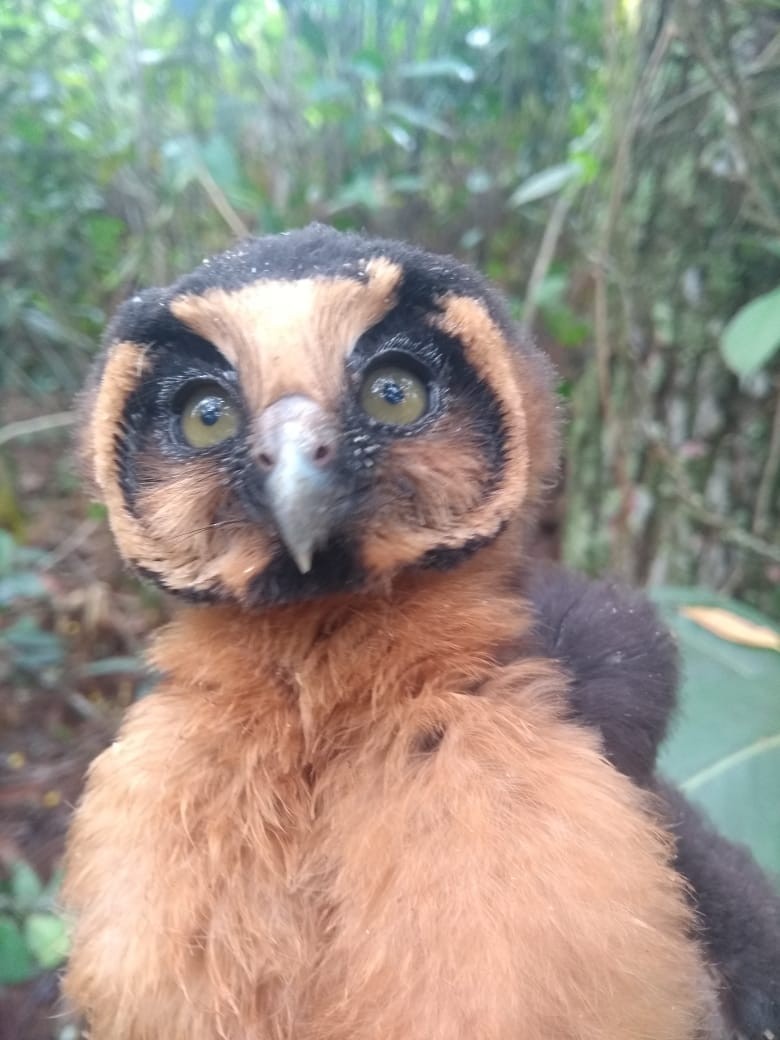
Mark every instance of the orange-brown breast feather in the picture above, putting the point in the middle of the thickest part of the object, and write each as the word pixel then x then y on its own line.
pixel 270 850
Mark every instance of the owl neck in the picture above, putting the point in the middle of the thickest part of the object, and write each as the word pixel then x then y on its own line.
pixel 433 631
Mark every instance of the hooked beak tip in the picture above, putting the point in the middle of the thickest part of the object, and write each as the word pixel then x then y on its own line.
pixel 302 558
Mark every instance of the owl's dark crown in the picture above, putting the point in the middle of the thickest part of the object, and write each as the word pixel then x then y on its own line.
pixel 315 412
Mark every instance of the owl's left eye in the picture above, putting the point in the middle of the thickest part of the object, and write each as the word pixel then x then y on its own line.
pixel 208 417
pixel 393 394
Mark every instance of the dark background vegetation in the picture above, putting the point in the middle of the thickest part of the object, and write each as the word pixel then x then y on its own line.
pixel 614 166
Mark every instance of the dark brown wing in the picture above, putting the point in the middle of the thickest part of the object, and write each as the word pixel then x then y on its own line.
pixel 623 664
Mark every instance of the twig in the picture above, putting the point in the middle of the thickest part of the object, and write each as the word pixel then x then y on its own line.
pixel 220 203
pixel 68 545
pixel 545 257
pixel 84 707
pixel 41 424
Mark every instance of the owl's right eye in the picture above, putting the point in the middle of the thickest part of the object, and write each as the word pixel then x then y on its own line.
pixel 208 417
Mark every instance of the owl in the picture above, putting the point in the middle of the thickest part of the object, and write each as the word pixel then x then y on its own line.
pixel 361 802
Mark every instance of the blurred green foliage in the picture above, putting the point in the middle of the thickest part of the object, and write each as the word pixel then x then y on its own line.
pixel 33 937
pixel 612 165
pixel 137 137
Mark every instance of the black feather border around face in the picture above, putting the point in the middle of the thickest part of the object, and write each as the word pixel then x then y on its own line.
pixel 316 251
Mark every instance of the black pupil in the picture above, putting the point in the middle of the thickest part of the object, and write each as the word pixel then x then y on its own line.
pixel 209 410
pixel 391 392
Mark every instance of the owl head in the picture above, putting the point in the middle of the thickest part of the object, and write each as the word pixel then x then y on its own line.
pixel 315 412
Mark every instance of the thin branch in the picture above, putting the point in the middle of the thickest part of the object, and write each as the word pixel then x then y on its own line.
pixel 545 257
pixel 41 424
pixel 70 544
pixel 220 203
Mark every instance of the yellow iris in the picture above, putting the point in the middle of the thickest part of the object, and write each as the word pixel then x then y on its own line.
pixel 394 395
pixel 208 417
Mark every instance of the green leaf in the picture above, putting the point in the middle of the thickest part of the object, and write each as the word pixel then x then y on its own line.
pixel 724 750
pixel 15 962
pixel 751 338
pixel 32 648
pixel 25 887
pixel 24 585
pixel 546 182
pixel 47 939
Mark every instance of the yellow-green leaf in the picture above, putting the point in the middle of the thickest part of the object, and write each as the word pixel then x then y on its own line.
pixel 728 625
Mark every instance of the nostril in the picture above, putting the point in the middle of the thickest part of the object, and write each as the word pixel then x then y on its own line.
pixel 294 431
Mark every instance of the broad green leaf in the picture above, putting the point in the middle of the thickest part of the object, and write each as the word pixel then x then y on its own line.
pixel 751 338
pixel 47 939
pixel 724 751
pixel 546 182
pixel 15 962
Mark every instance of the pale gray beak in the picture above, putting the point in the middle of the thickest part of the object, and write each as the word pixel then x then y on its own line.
pixel 296 447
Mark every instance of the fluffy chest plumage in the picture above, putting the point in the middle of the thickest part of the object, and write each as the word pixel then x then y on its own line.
pixel 304 860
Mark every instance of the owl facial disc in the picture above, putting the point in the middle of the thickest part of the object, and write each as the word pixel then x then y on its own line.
pixel 315 413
